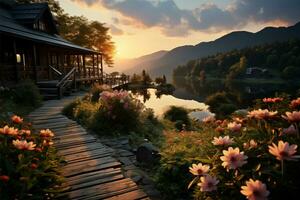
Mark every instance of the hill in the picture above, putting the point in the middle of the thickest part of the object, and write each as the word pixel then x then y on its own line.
pixel 129 66
pixel 278 60
pixel 235 40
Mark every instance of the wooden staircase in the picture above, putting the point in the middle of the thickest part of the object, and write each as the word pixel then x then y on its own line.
pixel 55 89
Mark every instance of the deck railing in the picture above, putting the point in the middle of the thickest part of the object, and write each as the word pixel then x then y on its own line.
pixel 66 81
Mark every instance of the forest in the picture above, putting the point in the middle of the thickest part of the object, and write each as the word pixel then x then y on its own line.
pixel 280 60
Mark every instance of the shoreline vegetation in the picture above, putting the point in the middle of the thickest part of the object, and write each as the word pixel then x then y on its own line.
pixel 188 146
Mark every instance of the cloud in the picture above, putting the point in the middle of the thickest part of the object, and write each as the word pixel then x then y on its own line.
pixel 116 31
pixel 174 21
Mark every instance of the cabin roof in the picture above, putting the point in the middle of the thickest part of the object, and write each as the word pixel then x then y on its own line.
pixel 28 11
pixel 10 23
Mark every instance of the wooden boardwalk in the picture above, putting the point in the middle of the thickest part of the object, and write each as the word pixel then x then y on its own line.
pixel 91 172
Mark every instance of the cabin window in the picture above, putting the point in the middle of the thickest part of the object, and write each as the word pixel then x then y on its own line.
pixel 42 26
pixel 18 58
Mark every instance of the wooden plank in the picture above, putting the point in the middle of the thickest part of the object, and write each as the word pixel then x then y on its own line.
pixel 56 125
pixel 71 144
pixel 102 190
pixel 102 173
pixel 90 158
pixel 69 128
pixel 79 149
pixel 68 136
pixel 63 119
pixel 136 194
pixel 88 154
pixel 92 181
pixel 84 168
pixel 69 131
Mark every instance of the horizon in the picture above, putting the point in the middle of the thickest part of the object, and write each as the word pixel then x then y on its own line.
pixel 181 24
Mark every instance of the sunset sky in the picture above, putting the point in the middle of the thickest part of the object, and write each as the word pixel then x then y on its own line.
pixel 140 27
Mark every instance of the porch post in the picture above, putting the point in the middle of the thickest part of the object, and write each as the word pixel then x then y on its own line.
pixel 83 63
pixel 34 63
pixel 101 61
pixel 15 61
pixel 78 65
pixel 98 73
pixel 93 65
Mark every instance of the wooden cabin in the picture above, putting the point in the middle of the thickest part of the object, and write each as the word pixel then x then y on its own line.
pixel 31 48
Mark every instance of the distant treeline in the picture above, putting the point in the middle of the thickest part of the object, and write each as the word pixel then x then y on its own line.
pixel 276 60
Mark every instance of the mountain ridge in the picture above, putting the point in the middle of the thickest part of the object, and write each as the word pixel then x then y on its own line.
pixel 234 40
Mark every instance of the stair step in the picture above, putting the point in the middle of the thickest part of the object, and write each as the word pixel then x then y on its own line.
pixel 49 96
pixel 48 90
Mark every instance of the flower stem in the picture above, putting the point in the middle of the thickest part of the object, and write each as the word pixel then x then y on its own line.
pixel 282 169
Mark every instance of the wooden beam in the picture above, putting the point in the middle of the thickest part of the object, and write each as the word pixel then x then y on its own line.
pixel 15 61
pixel 101 61
pixel 34 63
pixel 84 67
pixel 98 73
pixel 93 64
pixel 78 65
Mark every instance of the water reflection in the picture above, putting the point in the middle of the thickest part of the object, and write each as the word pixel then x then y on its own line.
pixel 160 101
pixel 244 91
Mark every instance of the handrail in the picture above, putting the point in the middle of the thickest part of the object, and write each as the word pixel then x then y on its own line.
pixel 56 70
pixel 66 77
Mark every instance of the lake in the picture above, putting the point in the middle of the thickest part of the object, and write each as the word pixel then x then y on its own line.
pixel 191 94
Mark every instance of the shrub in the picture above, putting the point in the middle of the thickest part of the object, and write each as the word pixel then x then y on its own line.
pixel 178 115
pixel 68 110
pixel 96 90
pixel 27 93
pixel 221 103
pixel 119 112
pixel 84 112
pixel 28 163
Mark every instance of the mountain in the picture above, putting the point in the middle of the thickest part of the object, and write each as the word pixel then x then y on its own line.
pixel 235 40
pixel 126 65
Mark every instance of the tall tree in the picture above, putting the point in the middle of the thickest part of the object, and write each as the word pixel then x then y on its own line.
pixel 81 31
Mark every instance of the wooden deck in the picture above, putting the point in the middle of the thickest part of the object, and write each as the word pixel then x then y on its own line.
pixel 91 172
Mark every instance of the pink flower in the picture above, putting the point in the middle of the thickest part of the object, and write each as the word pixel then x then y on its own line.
pixel 283 151
pixel 46 133
pixel 6 130
pixel 220 129
pixel 208 183
pixel 234 127
pixel 295 103
pixel 233 158
pixel 255 190
pixel 16 119
pixel 250 145
pixel 47 143
pixel 222 141
pixel 253 144
pixel 24 145
pixel 199 169
pixel 291 130
pixel 238 120
pixel 262 114
pixel 26 132
pixel 292 116
pixel 272 100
